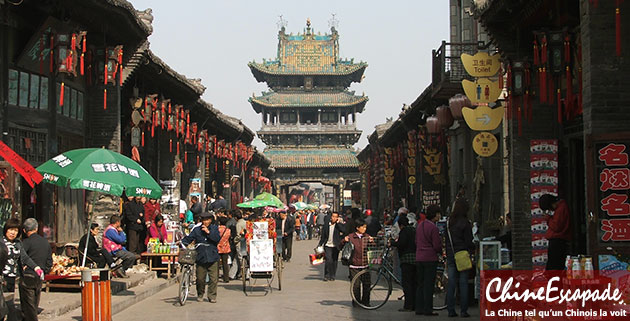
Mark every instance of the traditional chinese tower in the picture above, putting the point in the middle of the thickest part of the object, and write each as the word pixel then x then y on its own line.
pixel 308 114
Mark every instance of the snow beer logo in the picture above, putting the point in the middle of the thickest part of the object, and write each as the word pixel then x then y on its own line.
pixel 143 191
pixel 51 177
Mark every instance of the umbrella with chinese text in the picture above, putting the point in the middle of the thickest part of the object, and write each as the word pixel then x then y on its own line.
pixel 100 170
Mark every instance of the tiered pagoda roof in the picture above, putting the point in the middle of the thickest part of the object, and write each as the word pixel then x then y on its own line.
pixel 308 54
pixel 312 158
pixel 308 99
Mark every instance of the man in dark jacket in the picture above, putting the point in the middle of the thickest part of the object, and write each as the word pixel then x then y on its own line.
pixel 195 208
pixel 331 235
pixel 206 237
pixel 406 245
pixel 285 226
pixel 133 212
pixel 219 203
pixel 40 252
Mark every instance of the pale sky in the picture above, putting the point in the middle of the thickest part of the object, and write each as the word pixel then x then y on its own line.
pixel 214 40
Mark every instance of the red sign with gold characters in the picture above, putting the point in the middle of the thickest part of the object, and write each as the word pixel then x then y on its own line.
pixel 613 172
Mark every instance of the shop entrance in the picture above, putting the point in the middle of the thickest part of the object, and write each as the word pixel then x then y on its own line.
pixel 575 193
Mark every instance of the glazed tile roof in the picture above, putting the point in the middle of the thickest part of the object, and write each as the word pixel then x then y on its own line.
pixel 308 99
pixel 312 158
pixel 276 68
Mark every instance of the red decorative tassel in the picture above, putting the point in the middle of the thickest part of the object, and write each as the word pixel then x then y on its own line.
pixel 163 113
pixel 536 53
pixel 170 145
pixel 120 76
pixel 105 73
pixel 559 103
pixel 82 68
pixel 178 147
pixel 169 107
pixel 519 120
pixel 530 109
pixel 185 157
pixel 618 28
pixel 105 99
pixel 52 55
pixel 542 75
pixel 551 89
pixel 569 99
pixel 143 138
pixel 153 127
pixel 197 160
pixel 73 41
pixel 61 92
pixel 187 133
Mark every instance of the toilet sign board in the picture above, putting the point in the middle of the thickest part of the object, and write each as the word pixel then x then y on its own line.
pixel 481 64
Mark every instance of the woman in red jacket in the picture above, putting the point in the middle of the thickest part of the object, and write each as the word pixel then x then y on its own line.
pixel 151 210
pixel 559 231
pixel 157 230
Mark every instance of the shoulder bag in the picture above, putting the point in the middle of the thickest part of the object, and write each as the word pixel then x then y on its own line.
pixel 462 258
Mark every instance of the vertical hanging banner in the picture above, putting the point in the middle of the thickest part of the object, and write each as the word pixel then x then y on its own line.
pixel 613 177
pixel 30 174
pixel 543 180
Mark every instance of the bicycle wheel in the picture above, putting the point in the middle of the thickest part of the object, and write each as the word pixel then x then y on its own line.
pixel 378 285
pixel 279 267
pixel 244 271
pixel 439 292
pixel 184 285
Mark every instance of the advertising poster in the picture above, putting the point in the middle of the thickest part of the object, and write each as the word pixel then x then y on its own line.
pixel 543 180
pixel 613 177
pixel 261 252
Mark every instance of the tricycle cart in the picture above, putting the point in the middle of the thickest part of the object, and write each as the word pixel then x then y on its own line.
pixel 261 261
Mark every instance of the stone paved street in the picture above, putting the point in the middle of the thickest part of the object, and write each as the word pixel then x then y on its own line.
pixel 304 296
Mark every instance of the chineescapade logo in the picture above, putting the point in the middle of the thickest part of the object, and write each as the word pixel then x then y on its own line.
pixel 536 295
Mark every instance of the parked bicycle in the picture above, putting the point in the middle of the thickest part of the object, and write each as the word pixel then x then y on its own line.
pixel 186 259
pixel 381 275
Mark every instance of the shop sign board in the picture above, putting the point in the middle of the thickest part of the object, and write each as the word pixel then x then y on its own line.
pixel 482 90
pixel 543 180
pixel 613 178
pixel 485 144
pixel 481 64
pixel 483 118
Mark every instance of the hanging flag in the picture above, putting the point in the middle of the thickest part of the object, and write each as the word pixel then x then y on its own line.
pixel 30 174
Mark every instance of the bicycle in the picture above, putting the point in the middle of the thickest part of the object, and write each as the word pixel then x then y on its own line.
pixel 186 259
pixel 380 274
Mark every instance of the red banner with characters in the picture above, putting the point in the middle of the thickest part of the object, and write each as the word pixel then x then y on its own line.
pixel 612 167
pixel 30 174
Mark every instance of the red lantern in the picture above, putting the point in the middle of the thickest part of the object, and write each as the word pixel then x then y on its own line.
pixel 456 103
pixel 445 118
pixel 433 125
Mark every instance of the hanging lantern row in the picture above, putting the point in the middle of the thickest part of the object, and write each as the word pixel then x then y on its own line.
pixel 64 55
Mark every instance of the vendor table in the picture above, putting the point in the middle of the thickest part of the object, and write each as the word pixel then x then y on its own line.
pixel 170 261
pixel 63 281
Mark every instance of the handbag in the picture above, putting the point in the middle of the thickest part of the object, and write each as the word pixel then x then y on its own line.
pixel 346 253
pixel 462 258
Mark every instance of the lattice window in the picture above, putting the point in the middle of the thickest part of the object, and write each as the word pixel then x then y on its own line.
pixel 28 144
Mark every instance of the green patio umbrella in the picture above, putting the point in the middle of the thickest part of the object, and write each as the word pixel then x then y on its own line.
pixel 101 170
pixel 262 200
pixel 300 206
pixel 252 204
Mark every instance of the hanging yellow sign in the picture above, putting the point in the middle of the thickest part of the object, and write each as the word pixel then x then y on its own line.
pixel 481 64
pixel 485 144
pixel 483 118
pixel 482 90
